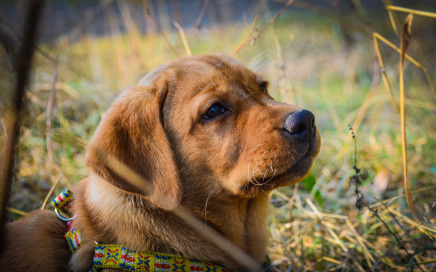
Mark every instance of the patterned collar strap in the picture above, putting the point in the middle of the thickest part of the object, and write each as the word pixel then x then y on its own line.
pixel 118 257
pixel 62 202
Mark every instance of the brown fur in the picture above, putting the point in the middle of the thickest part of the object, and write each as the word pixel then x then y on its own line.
pixel 35 243
pixel 220 169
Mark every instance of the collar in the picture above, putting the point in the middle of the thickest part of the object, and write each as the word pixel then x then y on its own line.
pixel 119 257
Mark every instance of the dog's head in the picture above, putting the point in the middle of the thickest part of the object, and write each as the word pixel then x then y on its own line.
pixel 204 123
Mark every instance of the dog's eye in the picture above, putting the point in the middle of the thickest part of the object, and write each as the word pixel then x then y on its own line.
pixel 264 86
pixel 214 111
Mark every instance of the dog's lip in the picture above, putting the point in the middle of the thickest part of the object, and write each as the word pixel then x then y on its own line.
pixel 299 168
pixel 296 171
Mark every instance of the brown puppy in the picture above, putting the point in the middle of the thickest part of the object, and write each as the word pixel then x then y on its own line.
pixel 206 136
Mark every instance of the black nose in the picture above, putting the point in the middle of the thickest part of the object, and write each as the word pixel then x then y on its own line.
pixel 301 123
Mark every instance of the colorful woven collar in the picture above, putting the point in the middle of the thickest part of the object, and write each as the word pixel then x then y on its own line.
pixel 119 257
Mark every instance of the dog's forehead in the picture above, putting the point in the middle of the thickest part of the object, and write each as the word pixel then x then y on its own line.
pixel 220 71
pixel 197 73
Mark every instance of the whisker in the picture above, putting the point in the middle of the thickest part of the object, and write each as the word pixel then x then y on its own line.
pixel 262 60
pixel 205 206
pixel 256 148
pixel 263 63
pixel 258 55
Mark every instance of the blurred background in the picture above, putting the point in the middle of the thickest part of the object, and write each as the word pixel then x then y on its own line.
pixel 318 54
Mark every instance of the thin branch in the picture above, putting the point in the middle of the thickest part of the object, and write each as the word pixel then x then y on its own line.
pixel 22 64
pixel 247 38
pixel 197 24
pixel 80 28
pixel 405 39
pixel 412 60
pixel 282 80
pixel 12 210
pixel 291 202
pixel 49 121
pixel 253 37
pixel 365 104
pixel 148 12
pixel 51 192
pixel 412 11
pixel 383 71
pixel 272 21
pixel 182 35
pixel 360 202
pixel 50 105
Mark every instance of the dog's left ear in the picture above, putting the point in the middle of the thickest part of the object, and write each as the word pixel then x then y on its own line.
pixel 131 134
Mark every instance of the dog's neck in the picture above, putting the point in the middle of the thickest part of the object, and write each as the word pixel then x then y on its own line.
pixel 115 220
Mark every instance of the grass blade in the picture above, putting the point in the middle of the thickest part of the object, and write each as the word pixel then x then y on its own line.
pixel 412 11
pixel 405 39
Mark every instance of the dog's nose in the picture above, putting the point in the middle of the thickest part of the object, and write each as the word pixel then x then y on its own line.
pixel 300 124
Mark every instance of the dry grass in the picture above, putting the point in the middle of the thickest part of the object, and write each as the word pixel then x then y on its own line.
pixel 316 227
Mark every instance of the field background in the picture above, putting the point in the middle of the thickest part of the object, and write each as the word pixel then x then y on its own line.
pixel 317 54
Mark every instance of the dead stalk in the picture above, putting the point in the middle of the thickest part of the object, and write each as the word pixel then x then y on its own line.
pixel 148 12
pixel 47 197
pixel 23 65
pixel 49 122
pixel 252 36
pixel 183 37
pixel 197 24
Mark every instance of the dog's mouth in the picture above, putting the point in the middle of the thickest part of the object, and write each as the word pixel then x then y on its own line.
pixel 294 174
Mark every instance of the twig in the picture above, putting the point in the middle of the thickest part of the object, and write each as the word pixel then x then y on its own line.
pixel 182 35
pixel 412 60
pixel 253 37
pixel 197 24
pixel 405 38
pixel 51 192
pixel 412 11
pixel 148 12
pixel 292 200
pixel 50 105
pixel 344 265
pixel 287 5
pixel 23 64
pixel 365 104
pixel 247 38
pixel 383 71
pixel 282 81
pixel 80 28
pixel 360 202
pixel 9 39
pixel 49 121
pixel 12 210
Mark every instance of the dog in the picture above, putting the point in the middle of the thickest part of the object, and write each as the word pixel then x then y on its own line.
pixel 199 136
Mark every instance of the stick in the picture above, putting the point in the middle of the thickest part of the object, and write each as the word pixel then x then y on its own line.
pixel 51 192
pixel 197 24
pixel 252 37
pixel 49 119
pixel 148 12
pixel 247 38
pixel 405 38
pixel 22 64
pixel 182 35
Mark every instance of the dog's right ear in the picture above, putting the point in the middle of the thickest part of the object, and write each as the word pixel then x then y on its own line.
pixel 131 139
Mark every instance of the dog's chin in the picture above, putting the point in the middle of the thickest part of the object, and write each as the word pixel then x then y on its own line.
pixel 294 174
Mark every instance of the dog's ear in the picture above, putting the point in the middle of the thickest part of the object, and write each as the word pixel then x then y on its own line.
pixel 131 134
